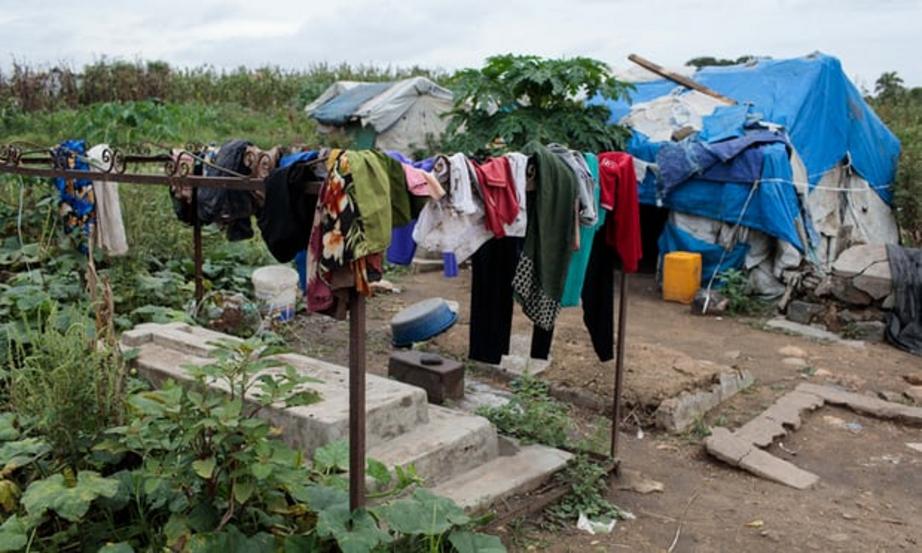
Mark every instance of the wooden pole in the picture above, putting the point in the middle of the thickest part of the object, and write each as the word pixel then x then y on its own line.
pixel 356 400
pixel 619 366
pixel 679 79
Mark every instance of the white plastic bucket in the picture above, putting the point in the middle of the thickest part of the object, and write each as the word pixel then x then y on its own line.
pixel 276 288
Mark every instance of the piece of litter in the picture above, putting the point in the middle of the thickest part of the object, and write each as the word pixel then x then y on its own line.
pixel 786 450
pixel 635 481
pixel 667 447
pixel 758 523
pixel 915 446
pixel 640 433
pixel 594 527
pixel 854 427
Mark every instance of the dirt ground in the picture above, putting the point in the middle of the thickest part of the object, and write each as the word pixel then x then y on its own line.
pixel 868 497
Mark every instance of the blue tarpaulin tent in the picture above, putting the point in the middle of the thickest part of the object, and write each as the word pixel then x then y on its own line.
pixel 824 120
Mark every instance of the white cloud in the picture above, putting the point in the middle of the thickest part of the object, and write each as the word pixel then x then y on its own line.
pixel 869 36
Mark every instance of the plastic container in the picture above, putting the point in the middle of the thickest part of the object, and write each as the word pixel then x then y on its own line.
pixel 681 276
pixel 421 321
pixel 276 288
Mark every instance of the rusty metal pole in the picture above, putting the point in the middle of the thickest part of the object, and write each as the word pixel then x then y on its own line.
pixel 619 366
pixel 197 247
pixel 356 400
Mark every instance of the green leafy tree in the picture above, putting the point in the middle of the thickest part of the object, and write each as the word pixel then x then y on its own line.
pixel 514 99
pixel 889 85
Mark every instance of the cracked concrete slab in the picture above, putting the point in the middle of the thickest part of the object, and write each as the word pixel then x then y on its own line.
pixel 742 447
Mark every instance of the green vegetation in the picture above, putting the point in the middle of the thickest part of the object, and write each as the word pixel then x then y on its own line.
pixel 188 468
pixel 265 88
pixel 533 416
pixel 734 285
pixel 901 109
pixel 516 99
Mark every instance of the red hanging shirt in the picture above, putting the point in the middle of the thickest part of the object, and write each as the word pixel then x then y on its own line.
pixel 498 190
pixel 618 194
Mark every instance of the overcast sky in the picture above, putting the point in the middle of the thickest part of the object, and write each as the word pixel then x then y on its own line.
pixel 869 36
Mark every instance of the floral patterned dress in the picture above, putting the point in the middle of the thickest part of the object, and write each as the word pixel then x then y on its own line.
pixel 338 256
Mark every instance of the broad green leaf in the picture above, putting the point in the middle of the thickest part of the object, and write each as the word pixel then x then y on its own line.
pixel 472 542
pixel 71 503
pixel 423 514
pixel 354 532
pixel 243 490
pixel 204 467
pixel 19 453
pixel 334 455
pixel 13 535
pixel 8 430
pixel 378 471
pixel 231 540
pixel 302 544
pixel 261 470
pixel 319 498
pixel 122 547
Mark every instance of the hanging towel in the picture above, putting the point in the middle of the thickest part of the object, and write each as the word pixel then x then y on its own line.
pixel 542 268
pixel 110 228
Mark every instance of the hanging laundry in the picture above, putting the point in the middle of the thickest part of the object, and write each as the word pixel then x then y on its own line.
pixel 110 228
pixel 77 204
pixel 542 268
pixel 588 214
pixel 381 192
pixel 598 299
pixel 454 224
pixel 519 165
pixel 229 208
pixel 618 181
pixel 493 267
pixel 497 189
pixel 425 164
pixel 338 250
pixel 576 271
pixel 288 212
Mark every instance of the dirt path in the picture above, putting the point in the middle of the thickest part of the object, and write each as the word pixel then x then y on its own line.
pixel 868 498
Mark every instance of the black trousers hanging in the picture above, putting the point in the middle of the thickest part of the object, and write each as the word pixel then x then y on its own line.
pixel 492 270
pixel 598 300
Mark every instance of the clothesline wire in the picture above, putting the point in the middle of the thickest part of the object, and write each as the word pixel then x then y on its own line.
pixel 723 253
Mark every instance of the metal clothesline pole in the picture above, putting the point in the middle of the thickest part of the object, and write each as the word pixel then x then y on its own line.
pixel 356 400
pixel 619 365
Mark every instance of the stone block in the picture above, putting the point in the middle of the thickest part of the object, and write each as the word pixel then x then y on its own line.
pixel 865 404
pixel 803 312
pixel 677 413
pixel 760 431
pixel 735 451
pixel 856 259
pixel 843 289
pixel 875 280
pixel 871 331
pixel 441 378
pixel 768 466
